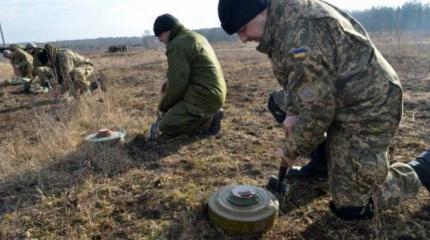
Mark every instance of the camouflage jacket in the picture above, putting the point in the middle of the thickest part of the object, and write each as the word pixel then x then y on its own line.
pixel 334 74
pixel 20 57
pixel 66 61
pixel 194 74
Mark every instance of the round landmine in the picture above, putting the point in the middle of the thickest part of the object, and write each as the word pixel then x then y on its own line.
pixel 243 209
pixel 106 135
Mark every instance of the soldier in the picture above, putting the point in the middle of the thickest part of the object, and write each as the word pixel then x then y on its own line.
pixel 195 89
pixel 339 84
pixel 21 61
pixel 40 71
pixel 72 70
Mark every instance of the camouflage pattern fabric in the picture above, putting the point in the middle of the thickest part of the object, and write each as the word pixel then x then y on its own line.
pixel 72 70
pixel 340 84
pixel 22 63
pixel 45 75
pixel 283 100
pixel 82 76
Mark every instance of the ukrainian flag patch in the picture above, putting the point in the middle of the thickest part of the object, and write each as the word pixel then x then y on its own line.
pixel 299 53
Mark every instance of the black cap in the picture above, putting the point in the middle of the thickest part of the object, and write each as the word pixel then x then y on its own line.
pixel 164 23
pixel 234 14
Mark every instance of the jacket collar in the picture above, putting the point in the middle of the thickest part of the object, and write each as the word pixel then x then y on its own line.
pixel 178 28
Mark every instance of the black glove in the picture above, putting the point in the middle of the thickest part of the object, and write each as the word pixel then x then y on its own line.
pixel 276 111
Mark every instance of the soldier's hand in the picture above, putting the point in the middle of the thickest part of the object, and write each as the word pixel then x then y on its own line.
pixel 285 161
pixel 288 124
pixel 163 87
pixel 160 114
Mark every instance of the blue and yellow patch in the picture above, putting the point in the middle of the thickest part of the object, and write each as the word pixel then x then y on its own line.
pixel 299 53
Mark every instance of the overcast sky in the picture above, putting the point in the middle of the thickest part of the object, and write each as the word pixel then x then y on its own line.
pixel 51 20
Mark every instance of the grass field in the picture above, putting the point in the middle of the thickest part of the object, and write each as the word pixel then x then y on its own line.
pixel 55 186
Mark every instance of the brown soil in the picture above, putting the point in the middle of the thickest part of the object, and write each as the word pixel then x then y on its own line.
pixel 55 186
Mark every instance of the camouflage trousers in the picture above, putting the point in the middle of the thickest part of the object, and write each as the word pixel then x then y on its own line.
pixel 80 79
pixel 24 70
pixel 82 76
pixel 180 121
pixel 359 169
pixel 45 75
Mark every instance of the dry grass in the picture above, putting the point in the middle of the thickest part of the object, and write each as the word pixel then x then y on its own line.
pixel 54 186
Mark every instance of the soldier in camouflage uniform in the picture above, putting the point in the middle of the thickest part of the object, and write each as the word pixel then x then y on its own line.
pixel 21 61
pixel 72 71
pixel 45 75
pixel 339 84
pixel 195 89
pixel 40 71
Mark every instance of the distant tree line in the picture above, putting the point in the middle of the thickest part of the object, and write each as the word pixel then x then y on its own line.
pixel 147 41
pixel 217 35
pixel 100 44
pixel 412 16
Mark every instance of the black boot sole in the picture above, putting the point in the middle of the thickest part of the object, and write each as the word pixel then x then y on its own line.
pixel 421 166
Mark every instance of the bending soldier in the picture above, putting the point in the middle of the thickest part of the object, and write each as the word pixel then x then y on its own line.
pixel 195 89
pixel 40 71
pixel 21 61
pixel 341 85
pixel 72 70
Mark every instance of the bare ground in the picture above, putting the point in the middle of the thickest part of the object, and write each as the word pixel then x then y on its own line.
pixel 55 186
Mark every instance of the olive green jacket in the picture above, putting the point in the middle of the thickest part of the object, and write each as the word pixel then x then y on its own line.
pixel 194 74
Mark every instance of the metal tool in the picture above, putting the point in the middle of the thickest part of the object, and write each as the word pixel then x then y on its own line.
pixel 153 129
pixel 276 184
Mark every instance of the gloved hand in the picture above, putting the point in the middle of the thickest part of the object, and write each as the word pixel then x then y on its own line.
pixel 275 110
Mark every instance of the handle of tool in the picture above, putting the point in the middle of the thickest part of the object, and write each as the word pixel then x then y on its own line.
pixel 281 175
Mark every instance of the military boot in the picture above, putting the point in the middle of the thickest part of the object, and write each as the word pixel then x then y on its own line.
pixel 216 122
pixel 215 127
pixel 421 166
pixel 316 169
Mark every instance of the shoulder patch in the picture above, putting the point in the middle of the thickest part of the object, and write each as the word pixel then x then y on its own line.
pixel 299 53
pixel 308 92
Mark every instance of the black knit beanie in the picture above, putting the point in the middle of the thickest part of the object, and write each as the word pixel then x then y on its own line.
pixel 234 14
pixel 164 23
